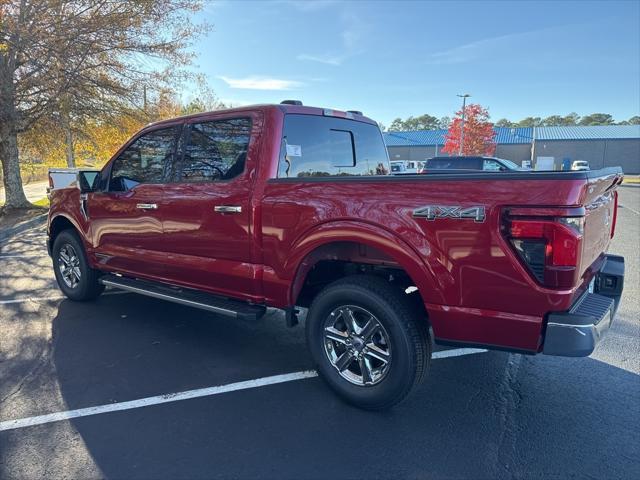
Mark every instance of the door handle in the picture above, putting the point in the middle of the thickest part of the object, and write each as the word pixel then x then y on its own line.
pixel 228 209
pixel 147 206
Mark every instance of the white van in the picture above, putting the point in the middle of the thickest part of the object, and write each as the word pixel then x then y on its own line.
pixel 580 165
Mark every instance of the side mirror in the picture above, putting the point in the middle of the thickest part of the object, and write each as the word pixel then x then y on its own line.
pixel 88 180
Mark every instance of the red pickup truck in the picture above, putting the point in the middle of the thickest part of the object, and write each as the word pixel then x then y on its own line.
pixel 294 207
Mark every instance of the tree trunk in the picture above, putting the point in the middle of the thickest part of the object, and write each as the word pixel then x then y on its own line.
pixel 68 140
pixel 68 136
pixel 14 194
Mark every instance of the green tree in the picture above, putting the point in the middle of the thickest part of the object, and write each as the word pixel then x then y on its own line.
pixel 397 125
pixel 503 122
pixel 597 119
pixel 529 122
pixel 444 123
pixel 635 120
pixel 559 120
pixel 571 119
pixel 423 122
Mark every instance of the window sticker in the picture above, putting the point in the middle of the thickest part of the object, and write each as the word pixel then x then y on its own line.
pixel 294 150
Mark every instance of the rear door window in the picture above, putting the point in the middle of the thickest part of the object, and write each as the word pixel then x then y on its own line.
pixel 315 146
pixel 149 159
pixel 216 150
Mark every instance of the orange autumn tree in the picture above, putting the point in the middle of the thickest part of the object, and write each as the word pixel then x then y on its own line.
pixel 479 136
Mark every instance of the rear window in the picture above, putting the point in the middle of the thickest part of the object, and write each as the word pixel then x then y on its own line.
pixel 315 146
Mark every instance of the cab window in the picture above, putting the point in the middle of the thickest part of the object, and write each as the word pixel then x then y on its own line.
pixel 149 159
pixel 216 150
pixel 319 146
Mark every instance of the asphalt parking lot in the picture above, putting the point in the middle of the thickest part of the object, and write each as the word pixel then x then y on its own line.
pixel 478 414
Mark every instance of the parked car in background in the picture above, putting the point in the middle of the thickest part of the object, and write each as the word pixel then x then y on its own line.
pixel 413 166
pixel 398 166
pixel 491 164
pixel 580 165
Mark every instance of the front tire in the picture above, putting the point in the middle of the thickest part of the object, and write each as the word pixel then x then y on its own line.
pixel 75 278
pixel 368 342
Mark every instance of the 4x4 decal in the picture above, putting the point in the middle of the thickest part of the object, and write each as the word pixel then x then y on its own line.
pixel 431 212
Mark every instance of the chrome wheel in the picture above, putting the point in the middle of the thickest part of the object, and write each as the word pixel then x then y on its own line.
pixel 69 266
pixel 357 345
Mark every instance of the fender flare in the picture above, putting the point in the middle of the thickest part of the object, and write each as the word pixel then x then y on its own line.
pixel 301 256
pixel 73 222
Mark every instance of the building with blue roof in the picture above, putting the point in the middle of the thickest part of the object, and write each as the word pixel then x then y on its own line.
pixel 601 146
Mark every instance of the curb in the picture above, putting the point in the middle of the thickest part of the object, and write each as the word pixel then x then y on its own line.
pixel 21 227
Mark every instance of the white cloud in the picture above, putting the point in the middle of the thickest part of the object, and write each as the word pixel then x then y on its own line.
pixel 469 51
pixel 260 83
pixel 488 47
pixel 327 59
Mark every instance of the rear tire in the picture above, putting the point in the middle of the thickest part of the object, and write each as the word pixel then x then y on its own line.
pixel 369 343
pixel 75 278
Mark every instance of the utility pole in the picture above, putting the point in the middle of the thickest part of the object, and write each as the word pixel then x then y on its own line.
pixel 464 103
pixel 533 144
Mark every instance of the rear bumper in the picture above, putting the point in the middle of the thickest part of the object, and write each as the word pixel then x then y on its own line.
pixel 577 332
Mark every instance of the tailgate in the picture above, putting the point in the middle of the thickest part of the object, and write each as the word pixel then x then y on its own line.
pixel 600 202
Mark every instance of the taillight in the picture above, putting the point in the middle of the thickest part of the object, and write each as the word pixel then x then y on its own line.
pixel 550 248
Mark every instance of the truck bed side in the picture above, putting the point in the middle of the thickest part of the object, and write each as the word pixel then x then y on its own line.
pixel 473 285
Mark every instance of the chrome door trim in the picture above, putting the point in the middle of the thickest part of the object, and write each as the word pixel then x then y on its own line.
pixel 147 206
pixel 228 209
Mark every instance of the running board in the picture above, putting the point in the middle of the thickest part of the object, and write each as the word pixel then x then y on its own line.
pixel 184 296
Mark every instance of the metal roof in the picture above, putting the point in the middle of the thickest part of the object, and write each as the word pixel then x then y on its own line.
pixel 510 136
pixel 414 138
pixel 598 132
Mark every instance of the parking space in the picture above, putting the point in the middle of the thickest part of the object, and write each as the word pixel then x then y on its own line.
pixel 479 415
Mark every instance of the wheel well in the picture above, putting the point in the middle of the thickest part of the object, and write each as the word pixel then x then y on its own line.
pixel 58 225
pixel 341 259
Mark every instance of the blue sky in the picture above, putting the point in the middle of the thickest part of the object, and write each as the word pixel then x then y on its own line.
pixel 395 59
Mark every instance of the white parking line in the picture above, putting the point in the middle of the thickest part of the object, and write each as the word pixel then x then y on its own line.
pixel 52 297
pixel 188 395
pixel 157 400
pixel 456 352
pixel 629 208
pixel 31 299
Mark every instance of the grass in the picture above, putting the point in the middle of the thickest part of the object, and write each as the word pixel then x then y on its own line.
pixel 43 202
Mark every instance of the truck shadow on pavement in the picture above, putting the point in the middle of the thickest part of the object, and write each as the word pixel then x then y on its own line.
pixel 486 415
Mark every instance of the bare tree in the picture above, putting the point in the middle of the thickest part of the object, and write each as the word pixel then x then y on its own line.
pixel 78 60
